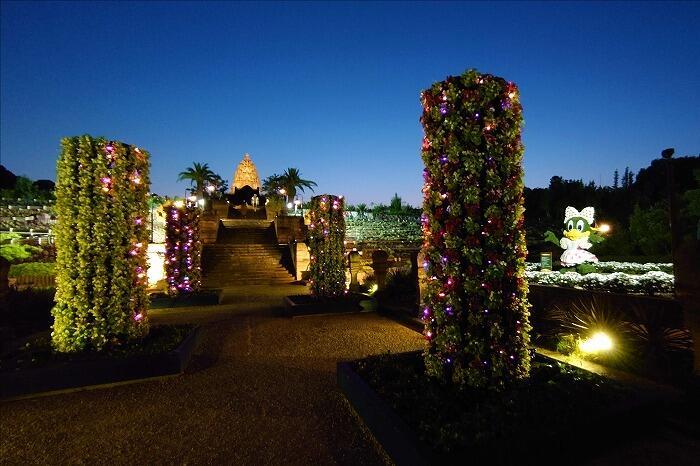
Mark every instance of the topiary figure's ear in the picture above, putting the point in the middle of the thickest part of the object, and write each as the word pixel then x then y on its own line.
pixel 587 214
pixel 570 212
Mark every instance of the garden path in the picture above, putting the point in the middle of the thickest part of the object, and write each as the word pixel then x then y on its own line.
pixel 261 390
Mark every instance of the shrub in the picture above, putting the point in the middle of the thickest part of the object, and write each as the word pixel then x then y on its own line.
pixel 399 287
pixel 475 309
pixel 101 239
pixel 32 269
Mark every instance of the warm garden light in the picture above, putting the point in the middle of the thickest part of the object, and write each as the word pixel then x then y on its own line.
pixel 604 228
pixel 597 343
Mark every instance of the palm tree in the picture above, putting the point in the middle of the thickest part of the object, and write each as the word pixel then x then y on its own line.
pixel 362 210
pixel 220 185
pixel 272 185
pixel 291 180
pixel 199 175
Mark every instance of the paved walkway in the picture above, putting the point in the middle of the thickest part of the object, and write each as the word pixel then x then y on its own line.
pixel 261 390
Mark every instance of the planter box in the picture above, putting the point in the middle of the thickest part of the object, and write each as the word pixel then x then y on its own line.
pixel 397 439
pixel 203 298
pixel 403 445
pixel 100 371
pixel 33 281
pixel 301 305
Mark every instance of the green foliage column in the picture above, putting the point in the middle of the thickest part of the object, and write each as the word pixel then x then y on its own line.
pixel 183 250
pixel 101 240
pixel 326 245
pixel 475 309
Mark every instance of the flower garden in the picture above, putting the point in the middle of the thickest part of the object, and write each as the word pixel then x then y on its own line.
pixel 487 317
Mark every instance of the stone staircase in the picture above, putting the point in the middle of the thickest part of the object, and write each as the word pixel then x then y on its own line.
pixel 245 253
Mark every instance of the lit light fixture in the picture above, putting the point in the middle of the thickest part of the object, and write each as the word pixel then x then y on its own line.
pixel 179 204
pixel 604 228
pixel 597 343
pixel 289 205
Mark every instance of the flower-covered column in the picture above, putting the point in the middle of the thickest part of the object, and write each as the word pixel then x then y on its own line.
pixel 475 309
pixel 326 245
pixel 101 240
pixel 183 250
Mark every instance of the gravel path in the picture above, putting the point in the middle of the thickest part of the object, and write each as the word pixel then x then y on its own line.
pixel 261 390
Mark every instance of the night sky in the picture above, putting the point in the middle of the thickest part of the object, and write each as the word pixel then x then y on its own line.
pixel 333 89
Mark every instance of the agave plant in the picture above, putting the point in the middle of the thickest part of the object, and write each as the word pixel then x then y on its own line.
pixel 644 339
pixel 581 320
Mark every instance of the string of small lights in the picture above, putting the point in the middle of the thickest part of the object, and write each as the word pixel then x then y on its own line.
pixel 475 309
pixel 183 250
pixel 101 203
pixel 326 245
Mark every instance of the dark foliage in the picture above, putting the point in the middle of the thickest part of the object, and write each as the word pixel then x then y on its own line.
pixel 556 402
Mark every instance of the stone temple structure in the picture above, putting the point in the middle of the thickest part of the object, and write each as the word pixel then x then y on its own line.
pixel 246 184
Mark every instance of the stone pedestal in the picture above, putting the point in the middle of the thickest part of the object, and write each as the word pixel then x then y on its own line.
pixel 301 259
pixel 219 208
pixel 289 229
pixel 355 260
pixel 208 228
pixel 380 265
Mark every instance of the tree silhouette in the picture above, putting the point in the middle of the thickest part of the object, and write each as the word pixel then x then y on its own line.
pixel 199 175
pixel 292 181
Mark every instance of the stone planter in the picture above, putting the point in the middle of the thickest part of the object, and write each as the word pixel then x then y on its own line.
pixel 85 373
pixel 202 298
pixel 403 445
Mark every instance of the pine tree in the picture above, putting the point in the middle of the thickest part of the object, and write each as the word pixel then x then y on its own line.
pixel 616 179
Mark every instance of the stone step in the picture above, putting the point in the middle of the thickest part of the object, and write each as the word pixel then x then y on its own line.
pixel 242 259
pixel 246 223
pixel 243 247
pixel 227 276
pixel 258 270
pixel 223 284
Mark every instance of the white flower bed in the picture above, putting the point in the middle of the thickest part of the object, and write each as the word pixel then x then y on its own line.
pixel 625 267
pixel 651 283
pixel 633 267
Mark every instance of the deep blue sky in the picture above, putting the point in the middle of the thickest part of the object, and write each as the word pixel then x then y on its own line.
pixel 334 88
